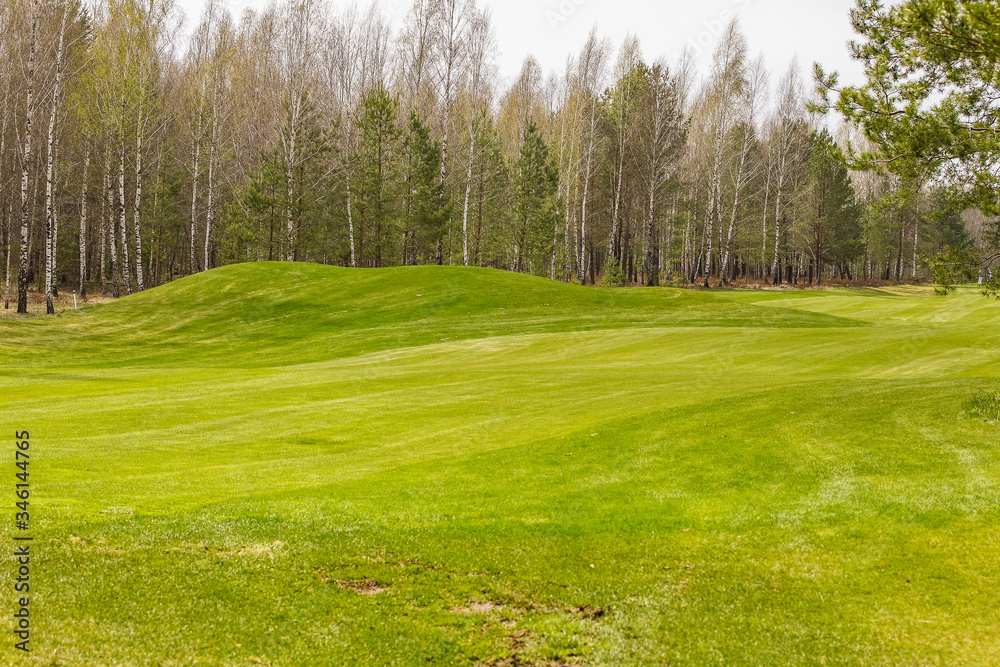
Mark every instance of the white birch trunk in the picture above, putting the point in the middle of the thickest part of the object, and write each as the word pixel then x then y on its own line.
pixel 122 208
pixel 739 183
pixel 775 278
pixel 138 200
pixel 647 237
pixel 468 193
pixel 194 177
pixel 210 213
pixel 111 229
pixel 583 221
pixel 83 227
pixel 22 278
pixel 102 237
pixel 6 288
pixel 5 204
pixel 290 177
pixel 350 216
pixel 586 194
pixel 55 230
pixel 767 205
pixel 710 217
pixel 51 221
pixel 616 204
pixel 563 176
pixel 6 249
pixel 570 255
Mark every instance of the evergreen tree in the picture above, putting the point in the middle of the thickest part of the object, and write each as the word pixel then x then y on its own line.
pixel 427 208
pixel 489 209
pixel 250 221
pixel 536 181
pixel 830 222
pixel 932 93
pixel 378 177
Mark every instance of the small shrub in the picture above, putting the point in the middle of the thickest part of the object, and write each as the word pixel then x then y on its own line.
pixel 986 404
pixel 613 274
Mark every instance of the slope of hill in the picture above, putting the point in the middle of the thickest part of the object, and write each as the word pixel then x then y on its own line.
pixel 268 314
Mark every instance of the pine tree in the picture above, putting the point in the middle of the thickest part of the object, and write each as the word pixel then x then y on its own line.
pixel 536 182
pixel 830 221
pixel 427 208
pixel 378 167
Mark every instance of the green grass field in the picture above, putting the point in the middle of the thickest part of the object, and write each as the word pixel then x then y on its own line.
pixel 291 464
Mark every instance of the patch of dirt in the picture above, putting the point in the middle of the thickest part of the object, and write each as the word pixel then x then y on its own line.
pixel 586 611
pixel 520 661
pixel 477 607
pixel 228 552
pixel 107 550
pixel 99 547
pixel 362 586
pixel 261 549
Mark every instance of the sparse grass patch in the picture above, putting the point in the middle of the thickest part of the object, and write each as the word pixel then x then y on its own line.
pixel 985 403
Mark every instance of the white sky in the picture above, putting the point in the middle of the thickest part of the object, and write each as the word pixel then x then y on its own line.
pixel 781 29
pixel 812 30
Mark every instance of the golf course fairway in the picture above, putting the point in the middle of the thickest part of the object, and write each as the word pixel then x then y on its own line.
pixel 293 464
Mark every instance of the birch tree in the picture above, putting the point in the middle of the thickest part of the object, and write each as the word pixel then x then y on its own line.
pixel 416 53
pixel 82 281
pixel 591 72
pixel 788 145
pixel 219 75
pixel 482 51
pixel 725 86
pixel 26 155
pixel 745 164
pixel 300 25
pixel 201 84
pixel 662 132
pixel 6 75
pixel 453 18
pixel 621 105
pixel 344 65
pixel 50 216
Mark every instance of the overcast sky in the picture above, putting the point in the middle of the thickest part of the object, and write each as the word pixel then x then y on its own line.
pixel 812 30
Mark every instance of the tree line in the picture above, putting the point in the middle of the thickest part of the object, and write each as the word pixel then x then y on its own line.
pixel 132 153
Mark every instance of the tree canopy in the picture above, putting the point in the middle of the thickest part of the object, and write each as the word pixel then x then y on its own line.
pixel 930 104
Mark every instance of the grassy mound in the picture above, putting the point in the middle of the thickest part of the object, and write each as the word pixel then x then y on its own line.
pixel 268 314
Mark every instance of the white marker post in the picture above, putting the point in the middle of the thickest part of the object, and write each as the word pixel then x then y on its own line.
pixel 74 299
